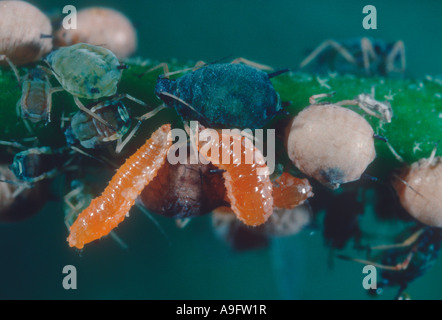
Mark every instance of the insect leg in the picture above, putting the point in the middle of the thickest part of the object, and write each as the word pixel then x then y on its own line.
pixel 312 99
pixel 92 114
pixel 162 65
pixel 398 267
pixel 408 242
pixel 49 101
pixel 367 49
pixel 118 240
pixel 328 43
pixel 398 49
pixel 122 143
pixel 13 67
pixel 253 64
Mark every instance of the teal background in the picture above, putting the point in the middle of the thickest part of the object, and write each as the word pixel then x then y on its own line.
pixel 192 263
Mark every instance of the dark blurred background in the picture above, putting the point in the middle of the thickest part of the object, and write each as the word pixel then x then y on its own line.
pixel 192 263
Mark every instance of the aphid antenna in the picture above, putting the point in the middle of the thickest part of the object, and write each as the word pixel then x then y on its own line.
pixel 205 120
pixel 151 218
pixel 408 185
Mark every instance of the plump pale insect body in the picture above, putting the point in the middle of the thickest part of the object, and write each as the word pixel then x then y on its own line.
pixel 86 71
pixel 419 188
pixel 101 26
pixel 22 32
pixel 330 143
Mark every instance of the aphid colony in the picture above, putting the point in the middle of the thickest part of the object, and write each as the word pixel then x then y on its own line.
pixel 326 141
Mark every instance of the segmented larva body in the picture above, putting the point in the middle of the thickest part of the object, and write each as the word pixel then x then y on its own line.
pixel 290 192
pixel 108 210
pixel 248 189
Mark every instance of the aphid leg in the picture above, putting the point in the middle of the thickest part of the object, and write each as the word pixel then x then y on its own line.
pixel 398 49
pixel 132 98
pixel 162 65
pixel 312 99
pixel 182 223
pixel 101 159
pixel 21 186
pixel 140 206
pixel 69 202
pixel 49 101
pixel 398 267
pixel 198 65
pixel 118 240
pixel 253 64
pixel 367 49
pixel 92 114
pixel 408 242
pixel 328 43
pixel 13 67
pixel 25 121
pixel 122 143
pixel 12 144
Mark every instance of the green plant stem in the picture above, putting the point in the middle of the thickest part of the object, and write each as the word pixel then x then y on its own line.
pixel 413 132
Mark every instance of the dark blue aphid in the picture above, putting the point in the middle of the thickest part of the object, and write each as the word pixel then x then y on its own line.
pixel 361 56
pixel 222 96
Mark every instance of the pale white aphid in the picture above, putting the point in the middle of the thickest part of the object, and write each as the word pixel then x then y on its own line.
pixel 419 188
pixel 24 33
pixel 330 143
pixel 102 27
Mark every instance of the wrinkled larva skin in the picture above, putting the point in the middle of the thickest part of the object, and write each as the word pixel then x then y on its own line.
pixel 85 70
pixel 227 95
pixel 21 27
pixel 330 143
pixel 101 27
pixel 422 198
pixel 185 190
